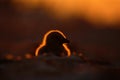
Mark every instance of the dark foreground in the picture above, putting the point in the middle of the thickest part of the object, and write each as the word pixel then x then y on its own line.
pixel 54 68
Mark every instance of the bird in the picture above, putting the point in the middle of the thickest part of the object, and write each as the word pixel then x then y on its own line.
pixel 54 42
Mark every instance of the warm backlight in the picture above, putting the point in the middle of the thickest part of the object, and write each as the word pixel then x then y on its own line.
pixel 44 42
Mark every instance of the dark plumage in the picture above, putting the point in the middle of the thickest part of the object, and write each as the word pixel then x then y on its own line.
pixel 54 44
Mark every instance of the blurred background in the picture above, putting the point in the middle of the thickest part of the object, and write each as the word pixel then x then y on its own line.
pixel 92 26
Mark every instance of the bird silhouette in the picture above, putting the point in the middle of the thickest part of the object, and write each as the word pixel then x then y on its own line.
pixel 54 42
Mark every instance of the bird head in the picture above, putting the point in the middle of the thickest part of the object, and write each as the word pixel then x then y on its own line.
pixel 56 38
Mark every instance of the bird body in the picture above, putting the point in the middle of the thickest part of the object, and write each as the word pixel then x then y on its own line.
pixel 54 41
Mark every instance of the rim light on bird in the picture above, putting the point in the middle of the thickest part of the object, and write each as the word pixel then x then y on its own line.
pixel 44 42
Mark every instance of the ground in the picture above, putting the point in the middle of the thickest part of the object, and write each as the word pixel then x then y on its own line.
pixel 57 68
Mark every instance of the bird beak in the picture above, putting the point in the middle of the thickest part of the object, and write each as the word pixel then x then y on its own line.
pixel 66 41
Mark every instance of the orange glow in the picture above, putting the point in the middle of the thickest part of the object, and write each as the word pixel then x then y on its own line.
pixel 28 56
pixel 67 49
pixel 9 56
pixel 106 11
pixel 96 11
pixel 44 42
